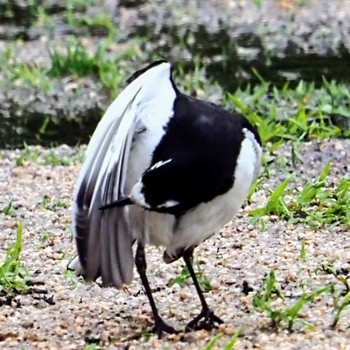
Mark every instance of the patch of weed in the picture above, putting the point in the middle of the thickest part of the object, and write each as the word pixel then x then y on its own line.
pixel 232 341
pixel 53 205
pixel 29 154
pixel 184 276
pixel 14 277
pixel 263 300
pixel 98 22
pixel 341 296
pixel 7 209
pixel 302 254
pixel 275 205
pixel 42 130
pixel 298 114
pixel 71 276
pixel 43 19
pixel 52 158
pixel 76 60
pixel 92 346
pixel 212 342
pixel 317 204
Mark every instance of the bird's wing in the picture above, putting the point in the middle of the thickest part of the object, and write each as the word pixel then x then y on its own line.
pixel 103 237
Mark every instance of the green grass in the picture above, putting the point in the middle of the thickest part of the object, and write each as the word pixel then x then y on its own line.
pixel 341 296
pixel 50 156
pixel 297 114
pixel 275 205
pixel 101 21
pixel 74 59
pixel 34 75
pixel 7 209
pixel 14 277
pixel 43 19
pixel 212 344
pixel 318 204
pixel 184 277
pixel 300 113
pixel 303 255
pixel 263 301
pixel 71 276
pixel 53 204
pixel 20 73
pixel 29 154
pixel 92 346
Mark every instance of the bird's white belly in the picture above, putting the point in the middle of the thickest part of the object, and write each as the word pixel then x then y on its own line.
pixel 151 227
pixel 208 218
pixel 204 220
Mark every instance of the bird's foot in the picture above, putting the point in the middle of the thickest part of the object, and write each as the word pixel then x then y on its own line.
pixel 161 327
pixel 205 320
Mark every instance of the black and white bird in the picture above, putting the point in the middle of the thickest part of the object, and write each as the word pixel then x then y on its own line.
pixel 162 168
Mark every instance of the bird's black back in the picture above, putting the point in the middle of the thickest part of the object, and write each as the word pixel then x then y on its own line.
pixel 203 142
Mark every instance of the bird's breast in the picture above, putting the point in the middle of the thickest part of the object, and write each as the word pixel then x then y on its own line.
pixel 208 218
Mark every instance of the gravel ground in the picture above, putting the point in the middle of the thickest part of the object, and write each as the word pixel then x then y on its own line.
pixel 63 312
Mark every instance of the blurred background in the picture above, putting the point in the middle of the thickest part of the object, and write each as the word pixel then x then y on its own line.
pixel 63 62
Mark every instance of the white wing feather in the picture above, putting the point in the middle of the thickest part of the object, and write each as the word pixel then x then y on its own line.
pixel 103 238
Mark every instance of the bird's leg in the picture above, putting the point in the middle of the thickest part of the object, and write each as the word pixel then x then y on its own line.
pixel 140 261
pixel 206 318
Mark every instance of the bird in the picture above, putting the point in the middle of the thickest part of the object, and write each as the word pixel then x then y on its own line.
pixel 162 168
